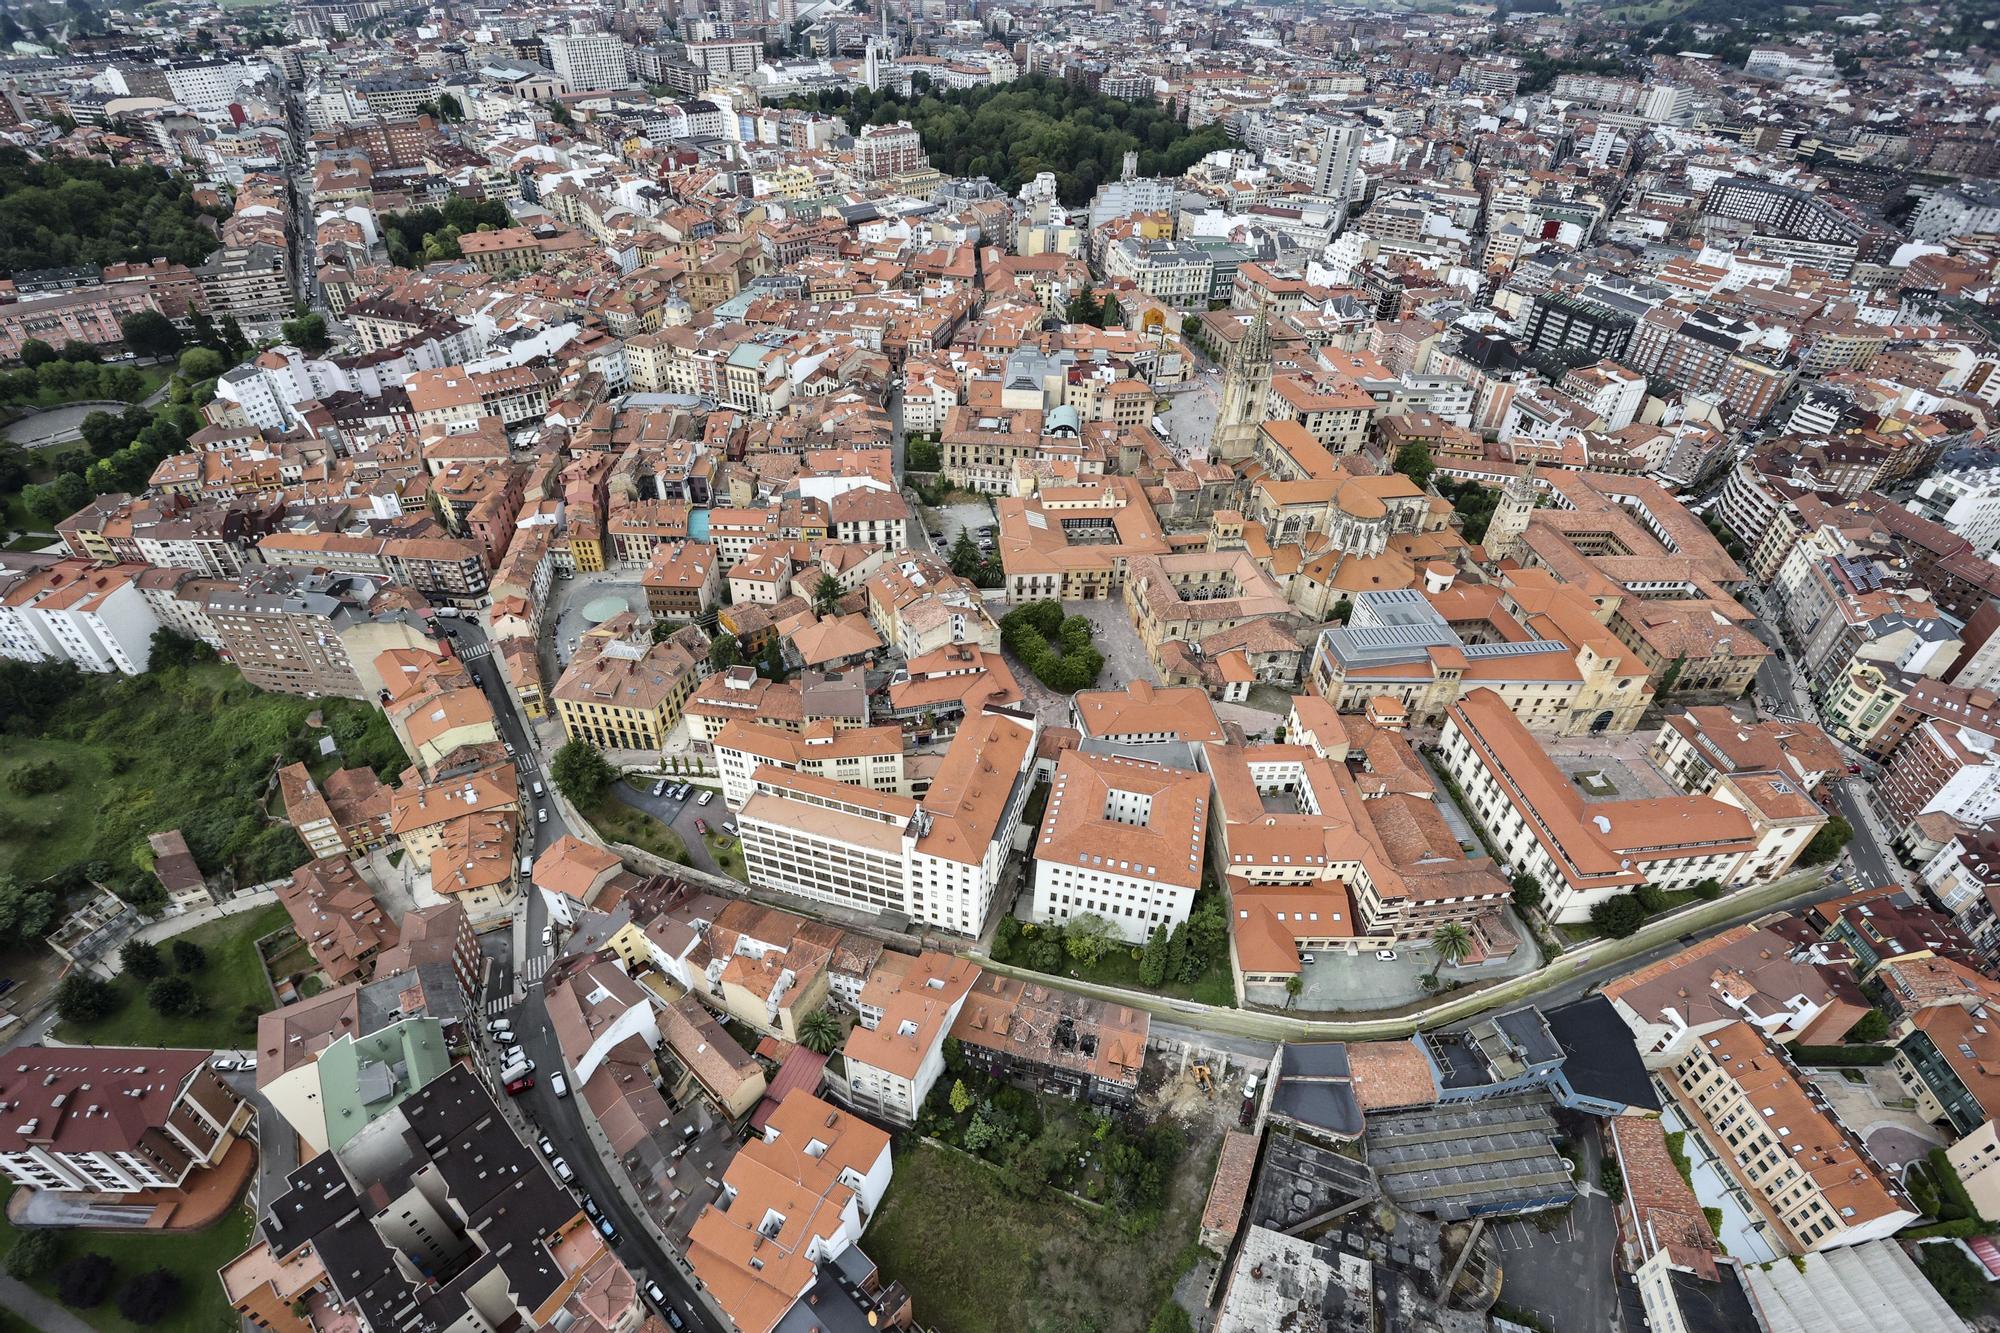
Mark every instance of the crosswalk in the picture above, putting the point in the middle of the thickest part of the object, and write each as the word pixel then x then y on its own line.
pixel 534 969
pixel 473 652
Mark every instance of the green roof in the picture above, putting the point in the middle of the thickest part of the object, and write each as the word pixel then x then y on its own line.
pixel 362 1080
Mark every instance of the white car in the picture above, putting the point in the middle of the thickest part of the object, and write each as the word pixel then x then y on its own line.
pixel 1386 955
pixel 514 1055
pixel 705 797
pixel 563 1173
pixel 503 1036
pixel 660 787
pixel 495 1024
pixel 559 1085
pixel 541 814
pixel 225 1063
pixel 548 935
pixel 547 1145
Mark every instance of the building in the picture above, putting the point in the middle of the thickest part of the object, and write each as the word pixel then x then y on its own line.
pixel 793 1203
pixel 114 1120
pixel 1053 1040
pixel 1949 1059
pixel 435 1212
pixel 588 61
pixel 870 757
pixel 935 860
pixel 1122 839
pixel 888 150
pixel 573 874
pixel 78 611
pixel 1810 1182
pixel 336 914
pixel 907 1009
pixel 625 693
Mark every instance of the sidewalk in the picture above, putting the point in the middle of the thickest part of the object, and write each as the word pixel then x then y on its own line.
pixel 40 1312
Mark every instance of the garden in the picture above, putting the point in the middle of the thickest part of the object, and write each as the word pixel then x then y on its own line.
pixel 1056 648
pixel 123 1282
pixel 204 990
pixel 1101 1209
pixel 1190 962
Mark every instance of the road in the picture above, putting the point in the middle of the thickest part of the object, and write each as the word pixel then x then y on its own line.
pixel 520 960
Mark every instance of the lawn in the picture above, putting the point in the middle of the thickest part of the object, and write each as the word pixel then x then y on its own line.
pixel 231 983
pixel 1119 968
pixel 187 748
pixel 194 1256
pixel 616 821
pixel 975 1257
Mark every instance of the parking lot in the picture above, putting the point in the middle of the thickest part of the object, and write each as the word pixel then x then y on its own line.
pixel 1336 981
pixel 1563 1273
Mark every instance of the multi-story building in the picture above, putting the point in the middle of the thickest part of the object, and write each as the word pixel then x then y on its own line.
pixel 1576 328
pixel 870 757
pixel 1811 1184
pixel 307 634
pixel 1947 1060
pixel 92 615
pixel 1708 353
pixel 113 1120
pixel 346 815
pixel 88 315
pixel 625 693
pixel 588 61
pixel 251 282
pixel 1967 502
pixel 936 860
pixel 1122 839
pixel 337 915
pixel 888 150
pixel 683 580
pixel 907 1008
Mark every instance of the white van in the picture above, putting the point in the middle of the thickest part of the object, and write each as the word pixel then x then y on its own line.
pixel 538 788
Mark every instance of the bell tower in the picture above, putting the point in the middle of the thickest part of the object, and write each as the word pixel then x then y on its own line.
pixel 1245 386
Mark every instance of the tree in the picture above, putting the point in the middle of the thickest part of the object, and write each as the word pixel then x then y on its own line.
pixel 965 557
pixel 307 333
pixel 141 958
pixel 1871 1026
pixel 724 651
pixel 1671 674
pixel 1153 961
pixel 1961 1284
pixel 1084 308
pixel 920 456
pixel 235 344
pixel 174 996
pixel 56 500
pixel 1295 986
pixel 35 1255
pixel 820 1032
pixel 774 660
pixel 150 333
pixel 1617 917
pixel 1177 951
pixel 80 353
pixel 960 1098
pixel 1827 843
pixel 1527 892
pixel 581 773
pixel 35 353
pixel 84 1281
pixel 450 109
pixel 1110 314
pixel 201 363
pixel 1343 609
pixel 189 956
pixel 1450 943
pixel 84 998
pixel 26 910
pixel 151 1296
pixel 1413 460
pixel 1086 936
pixel 171 649
pixel 826 595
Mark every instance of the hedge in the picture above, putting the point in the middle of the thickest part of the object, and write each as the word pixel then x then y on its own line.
pixel 1026 632
pixel 1842 1055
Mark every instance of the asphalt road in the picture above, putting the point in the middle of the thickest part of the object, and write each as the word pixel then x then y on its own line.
pixel 679 815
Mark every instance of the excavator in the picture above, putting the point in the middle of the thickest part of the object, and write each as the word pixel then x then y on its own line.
pixel 1204 1082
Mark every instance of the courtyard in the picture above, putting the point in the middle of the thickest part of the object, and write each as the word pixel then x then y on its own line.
pixel 1338 982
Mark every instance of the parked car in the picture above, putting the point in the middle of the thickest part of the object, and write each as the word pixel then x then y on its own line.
pixel 1307 958
pixel 674 1319
pixel 706 796
pixel 225 1063
pixel 563 1173
pixel 558 1085
pixel 538 787
pixel 514 1055
pixel 503 1037
pixel 610 1232
pixel 494 1025
pixel 590 1207
pixel 660 786
pixel 541 814
pixel 480 684
pixel 701 826
pixel 510 748
pixel 517 1086
pixel 547 1145
pixel 548 935
pixel 247 1062
pixel 1386 955
pixel 656 1294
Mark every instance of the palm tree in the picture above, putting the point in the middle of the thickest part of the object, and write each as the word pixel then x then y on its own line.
pixel 1450 942
pixel 1294 987
pixel 820 1032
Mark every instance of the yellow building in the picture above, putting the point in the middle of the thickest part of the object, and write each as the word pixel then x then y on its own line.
pixel 626 693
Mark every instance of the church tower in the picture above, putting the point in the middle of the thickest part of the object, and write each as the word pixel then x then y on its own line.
pixel 1510 516
pixel 1245 386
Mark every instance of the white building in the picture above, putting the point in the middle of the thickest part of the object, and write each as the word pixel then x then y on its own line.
pixel 77 611
pixel 936 861
pixel 589 61
pixel 1121 839
pixel 1338 174
pixel 1967 502
pixel 114 1121
pixel 1970 208
pixel 907 1007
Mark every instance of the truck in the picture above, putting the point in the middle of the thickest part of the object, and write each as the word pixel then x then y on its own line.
pixel 519 1069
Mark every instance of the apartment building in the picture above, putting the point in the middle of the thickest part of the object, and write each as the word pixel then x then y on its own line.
pixel 435 1212
pixel 337 915
pixel 92 615
pixel 870 757
pixel 1810 1182
pixel 626 693
pixel 907 1008
pixel 251 282
pixel 572 874
pixel 114 1120
pixel 1947 1060
pixel 588 61
pixel 346 815
pixel 935 860
pixel 1587 852
pixel 683 580
pixel 888 150
pixel 793 1202
pixel 88 315
pixel 307 633
pixel 1121 839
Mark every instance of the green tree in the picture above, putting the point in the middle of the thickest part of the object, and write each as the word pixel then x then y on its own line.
pixel 35 353
pixel 1295 986
pixel 235 344
pixel 1450 943
pixel 307 333
pixel 174 996
pixel 1343 609
pixel 172 649
pixel 961 1097
pixel 1110 314
pixel 774 660
pixel 189 956
pixel 1527 892
pixel 84 998
pixel 1617 917
pixel 150 333
pixel 150 1296
pixel 826 595
pixel 581 773
pixel 1086 936
pixel 1084 308
pixel 965 557
pixel 84 1282
pixel 1153 962
pixel 1177 951
pixel 1827 843
pixel 450 109
pixel 920 456
pixel 27 911
pixel 55 500
pixel 201 363
pixel 141 959
pixel 1414 461
pixel 1871 1026
pixel 35 1255
pixel 1671 674
pixel 724 651
pixel 1961 1284
pixel 820 1032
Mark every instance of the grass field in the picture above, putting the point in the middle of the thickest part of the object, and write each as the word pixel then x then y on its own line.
pixel 616 821
pixel 188 749
pixel 974 1257
pixel 232 981
pixel 194 1257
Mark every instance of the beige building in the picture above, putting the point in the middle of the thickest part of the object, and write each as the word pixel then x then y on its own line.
pixel 870 757
pixel 626 693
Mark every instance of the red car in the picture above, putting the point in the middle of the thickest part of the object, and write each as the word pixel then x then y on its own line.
pixel 701 827
pixel 1854 768
pixel 520 1085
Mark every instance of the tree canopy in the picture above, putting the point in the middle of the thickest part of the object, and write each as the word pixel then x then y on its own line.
pixel 75 210
pixel 1011 132
pixel 424 235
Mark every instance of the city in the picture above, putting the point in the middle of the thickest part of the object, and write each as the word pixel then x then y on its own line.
pixel 767 666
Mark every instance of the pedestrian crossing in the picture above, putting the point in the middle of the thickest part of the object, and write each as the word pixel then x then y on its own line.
pixel 534 969
pixel 473 652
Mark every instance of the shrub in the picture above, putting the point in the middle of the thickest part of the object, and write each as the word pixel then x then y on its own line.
pixel 1843 1055
pixel 1068 663
pixel 1871 1026
pixel 35 1255
pixel 151 1296
pixel 84 1281
pixel 174 996
pixel 1651 897
pixel 1618 917
pixel 189 956
pixel 1956 1279
pixel 38 779
pixel 142 959
pixel 83 998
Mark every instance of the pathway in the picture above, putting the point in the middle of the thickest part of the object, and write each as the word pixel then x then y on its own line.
pixel 41 1312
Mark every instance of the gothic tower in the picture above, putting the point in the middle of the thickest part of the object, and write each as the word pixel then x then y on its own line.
pixel 1245 386
pixel 1510 516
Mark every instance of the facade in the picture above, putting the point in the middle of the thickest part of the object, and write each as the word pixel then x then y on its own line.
pixel 93 616
pixel 588 61
pixel 893 1059
pixel 1122 839
pixel 626 693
